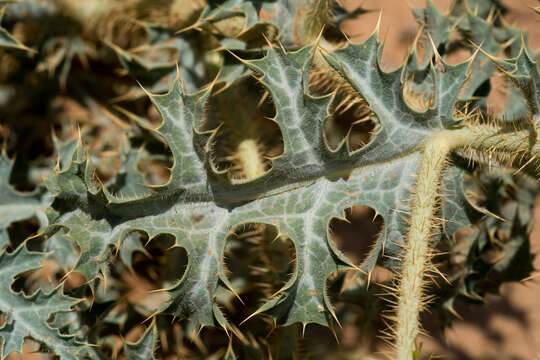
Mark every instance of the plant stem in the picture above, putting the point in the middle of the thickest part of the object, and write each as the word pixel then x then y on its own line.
pixel 494 138
pixel 514 147
pixel 417 256
pixel 415 262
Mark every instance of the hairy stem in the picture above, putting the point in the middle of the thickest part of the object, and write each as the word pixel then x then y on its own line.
pixel 493 138
pixel 513 147
pixel 487 138
pixel 417 256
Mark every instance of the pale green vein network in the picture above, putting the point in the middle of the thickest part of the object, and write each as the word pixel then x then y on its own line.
pixel 306 187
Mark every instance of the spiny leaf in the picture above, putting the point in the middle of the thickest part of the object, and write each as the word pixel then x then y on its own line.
pixel 28 315
pixel 487 36
pixel 304 215
pixel 458 211
pixel 154 64
pixel 435 25
pixel 145 348
pixel 73 186
pixel 471 19
pixel 17 206
pixel 524 73
pixel 286 15
pixel 181 115
pixel 306 187
pixel 128 183
pixel 497 249
pixel 401 128
pixel 7 41
pixel 300 115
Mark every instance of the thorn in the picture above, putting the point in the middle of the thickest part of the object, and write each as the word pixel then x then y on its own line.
pixel 378 25
pixel 66 275
pixel 439 63
pixel 151 316
pixel 104 281
pixel 245 62
pixel 231 289
pixel 525 165
pixel 144 90
pixel 195 26
pixel 250 316
pixel 318 38
pixel 263 98
pixel 278 235
pixel 491 16
pixel 268 42
pixel 282 47
pixel 528 278
pixel 475 53
pixel 211 85
pixel 455 313
pixel 346 220
pixel 334 333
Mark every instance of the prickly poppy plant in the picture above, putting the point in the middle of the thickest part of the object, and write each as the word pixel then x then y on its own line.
pixel 187 159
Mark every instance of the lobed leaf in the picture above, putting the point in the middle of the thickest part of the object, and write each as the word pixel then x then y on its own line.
pixel 305 188
pixel 28 315
pixel 16 206
pixel 143 349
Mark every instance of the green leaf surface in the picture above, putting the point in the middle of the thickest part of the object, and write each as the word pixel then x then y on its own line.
pixel 15 205
pixel 129 182
pixel 524 73
pixel 28 315
pixel 436 25
pixel 458 211
pixel 299 115
pixel 306 188
pixel 182 114
pixel 285 15
pixel 488 37
pixel 401 128
pixel 143 349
